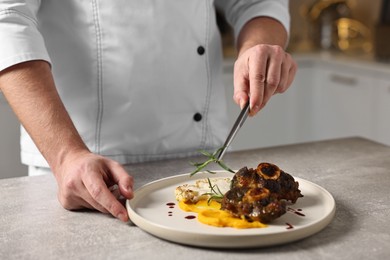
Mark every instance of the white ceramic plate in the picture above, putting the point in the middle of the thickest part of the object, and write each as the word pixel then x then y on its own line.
pixel 150 211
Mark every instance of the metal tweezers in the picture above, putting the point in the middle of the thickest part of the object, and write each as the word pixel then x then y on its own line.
pixel 237 125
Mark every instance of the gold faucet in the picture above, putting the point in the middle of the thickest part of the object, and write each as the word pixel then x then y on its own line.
pixel 333 26
pixel 353 35
pixel 317 9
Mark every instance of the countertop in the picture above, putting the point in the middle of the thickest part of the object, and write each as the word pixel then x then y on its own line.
pixel 355 171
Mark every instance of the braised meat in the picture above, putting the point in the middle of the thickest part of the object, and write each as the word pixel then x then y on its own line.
pixel 261 194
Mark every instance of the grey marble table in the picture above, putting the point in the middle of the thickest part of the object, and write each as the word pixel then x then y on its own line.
pixel 355 171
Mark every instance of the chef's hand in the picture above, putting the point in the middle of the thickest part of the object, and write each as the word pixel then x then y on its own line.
pixel 85 179
pixel 260 72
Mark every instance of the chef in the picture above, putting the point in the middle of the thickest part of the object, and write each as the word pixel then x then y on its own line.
pixel 98 84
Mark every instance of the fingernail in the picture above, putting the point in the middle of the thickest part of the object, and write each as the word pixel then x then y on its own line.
pixel 127 188
pixel 122 217
pixel 255 109
pixel 242 103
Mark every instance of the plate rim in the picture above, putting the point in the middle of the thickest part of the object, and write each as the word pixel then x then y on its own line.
pixel 290 236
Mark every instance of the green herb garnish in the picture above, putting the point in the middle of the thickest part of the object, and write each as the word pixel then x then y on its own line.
pixel 215 194
pixel 212 158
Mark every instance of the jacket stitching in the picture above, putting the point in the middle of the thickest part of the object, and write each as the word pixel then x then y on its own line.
pixel 17 12
pixel 207 103
pixel 99 76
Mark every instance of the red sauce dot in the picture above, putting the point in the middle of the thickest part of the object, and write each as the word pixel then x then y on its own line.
pixel 289 226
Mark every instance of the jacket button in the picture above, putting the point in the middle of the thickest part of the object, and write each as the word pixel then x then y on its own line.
pixel 197 117
pixel 201 50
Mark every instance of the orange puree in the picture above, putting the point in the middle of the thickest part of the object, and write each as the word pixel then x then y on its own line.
pixel 211 214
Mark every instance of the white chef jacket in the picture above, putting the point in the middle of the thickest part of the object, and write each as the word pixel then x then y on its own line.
pixel 141 79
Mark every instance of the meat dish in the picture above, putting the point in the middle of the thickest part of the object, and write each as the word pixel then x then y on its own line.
pixel 260 194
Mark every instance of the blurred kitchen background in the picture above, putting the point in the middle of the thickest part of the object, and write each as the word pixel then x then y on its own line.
pixel 342 87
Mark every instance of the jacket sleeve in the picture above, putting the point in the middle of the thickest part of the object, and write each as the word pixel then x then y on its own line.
pixel 239 12
pixel 20 39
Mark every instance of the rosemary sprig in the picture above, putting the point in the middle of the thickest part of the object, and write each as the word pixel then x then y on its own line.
pixel 215 194
pixel 212 158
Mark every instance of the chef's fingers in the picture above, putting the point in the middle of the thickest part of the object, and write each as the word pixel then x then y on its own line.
pixel 241 82
pixel 87 202
pixel 257 67
pixel 98 190
pixel 284 75
pixel 115 191
pixel 274 74
pixel 259 73
pixel 292 72
pixel 76 196
pixel 289 68
pixel 122 179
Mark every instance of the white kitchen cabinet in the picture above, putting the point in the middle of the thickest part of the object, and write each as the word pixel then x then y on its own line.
pixel 381 111
pixel 10 165
pixel 342 104
pixel 302 115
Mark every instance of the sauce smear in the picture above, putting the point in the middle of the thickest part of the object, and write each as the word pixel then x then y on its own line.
pixel 296 211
